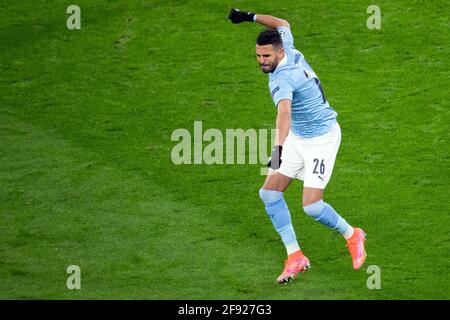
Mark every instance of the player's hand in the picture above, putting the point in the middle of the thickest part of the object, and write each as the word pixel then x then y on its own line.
pixel 237 16
pixel 275 160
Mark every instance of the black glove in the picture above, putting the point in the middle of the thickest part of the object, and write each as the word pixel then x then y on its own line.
pixel 237 16
pixel 275 159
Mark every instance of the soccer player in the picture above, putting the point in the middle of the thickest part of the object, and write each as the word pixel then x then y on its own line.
pixel 306 142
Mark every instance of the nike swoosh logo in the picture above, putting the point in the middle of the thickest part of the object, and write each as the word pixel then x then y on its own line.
pixel 320 178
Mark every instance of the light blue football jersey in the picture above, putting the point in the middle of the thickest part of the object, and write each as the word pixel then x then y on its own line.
pixel 295 80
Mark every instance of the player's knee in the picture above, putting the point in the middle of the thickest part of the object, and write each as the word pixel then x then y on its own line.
pixel 270 196
pixel 314 209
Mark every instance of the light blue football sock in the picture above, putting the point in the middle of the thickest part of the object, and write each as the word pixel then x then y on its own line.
pixel 279 214
pixel 325 214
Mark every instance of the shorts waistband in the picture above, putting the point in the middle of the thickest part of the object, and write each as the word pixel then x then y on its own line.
pixel 330 130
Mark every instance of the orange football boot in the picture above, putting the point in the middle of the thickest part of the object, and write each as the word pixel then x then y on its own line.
pixel 295 263
pixel 356 247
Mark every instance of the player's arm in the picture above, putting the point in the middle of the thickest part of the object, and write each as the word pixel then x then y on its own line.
pixel 282 130
pixel 271 21
pixel 283 121
pixel 237 16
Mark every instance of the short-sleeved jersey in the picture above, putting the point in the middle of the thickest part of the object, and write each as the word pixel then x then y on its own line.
pixel 295 80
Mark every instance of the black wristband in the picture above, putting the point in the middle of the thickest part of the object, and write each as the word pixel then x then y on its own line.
pixel 249 16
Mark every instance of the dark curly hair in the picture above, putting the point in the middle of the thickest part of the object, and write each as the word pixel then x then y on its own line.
pixel 269 37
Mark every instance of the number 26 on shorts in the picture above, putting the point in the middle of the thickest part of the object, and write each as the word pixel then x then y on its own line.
pixel 318 164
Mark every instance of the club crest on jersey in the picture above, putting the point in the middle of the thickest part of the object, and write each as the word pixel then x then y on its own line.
pixel 275 91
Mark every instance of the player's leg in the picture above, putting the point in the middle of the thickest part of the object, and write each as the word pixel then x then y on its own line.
pixel 319 165
pixel 276 181
pixel 327 215
pixel 314 206
pixel 272 191
pixel 272 195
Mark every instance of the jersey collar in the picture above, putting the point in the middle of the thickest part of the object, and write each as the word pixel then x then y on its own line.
pixel 283 61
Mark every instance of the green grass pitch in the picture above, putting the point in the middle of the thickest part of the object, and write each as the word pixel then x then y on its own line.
pixel 86 176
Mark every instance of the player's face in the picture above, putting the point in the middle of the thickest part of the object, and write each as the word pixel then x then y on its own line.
pixel 268 57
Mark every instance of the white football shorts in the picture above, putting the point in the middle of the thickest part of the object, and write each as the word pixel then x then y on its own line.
pixel 311 159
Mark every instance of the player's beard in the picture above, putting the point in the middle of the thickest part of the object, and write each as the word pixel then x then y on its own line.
pixel 272 68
